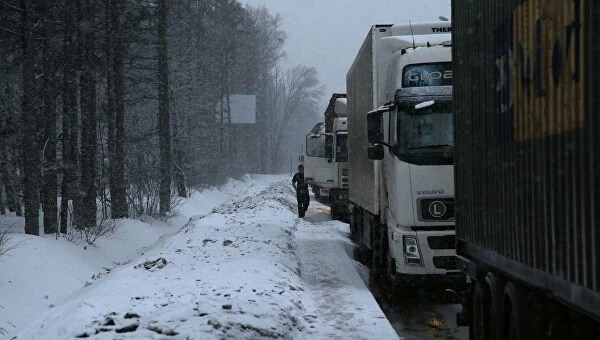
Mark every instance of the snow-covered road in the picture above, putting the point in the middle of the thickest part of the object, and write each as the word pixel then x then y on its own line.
pixel 249 269
pixel 343 304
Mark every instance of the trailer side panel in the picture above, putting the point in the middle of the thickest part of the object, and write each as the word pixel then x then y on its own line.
pixel 527 139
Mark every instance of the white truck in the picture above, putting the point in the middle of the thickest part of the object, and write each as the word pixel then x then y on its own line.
pixel 326 158
pixel 400 137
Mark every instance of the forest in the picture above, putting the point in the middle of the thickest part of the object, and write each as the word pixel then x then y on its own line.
pixel 119 108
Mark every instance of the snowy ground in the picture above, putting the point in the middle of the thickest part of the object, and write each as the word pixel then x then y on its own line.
pixel 249 268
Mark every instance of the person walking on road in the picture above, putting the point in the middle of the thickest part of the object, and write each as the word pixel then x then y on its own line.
pixel 301 188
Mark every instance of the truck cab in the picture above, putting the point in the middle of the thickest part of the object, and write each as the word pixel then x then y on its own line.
pixel 418 175
pixel 406 222
pixel 325 161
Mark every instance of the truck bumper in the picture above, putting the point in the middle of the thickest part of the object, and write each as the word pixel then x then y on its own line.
pixel 453 280
pixel 435 247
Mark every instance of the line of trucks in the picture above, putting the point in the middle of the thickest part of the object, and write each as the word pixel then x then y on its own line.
pixel 469 155
pixel 325 158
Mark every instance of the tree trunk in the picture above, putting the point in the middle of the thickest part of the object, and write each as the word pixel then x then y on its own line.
pixel 275 149
pixel 28 142
pixel 50 185
pixel 13 201
pixel 164 123
pixel 11 184
pixel 2 205
pixel 116 119
pixel 70 124
pixel 4 112
pixel 88 191
pixel 179 174
pixel 7 167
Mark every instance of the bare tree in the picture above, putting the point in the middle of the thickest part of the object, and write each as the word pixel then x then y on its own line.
pixel 8 150
pixel 116 111
pixel 49 162
pixel 125 102
pixel 6 239
pixel 296 88
pixel 86 207
pixel 164 122
pixel 70 126
pixel 29 145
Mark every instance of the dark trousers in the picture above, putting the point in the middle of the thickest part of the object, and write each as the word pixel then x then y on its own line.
pixel 303 201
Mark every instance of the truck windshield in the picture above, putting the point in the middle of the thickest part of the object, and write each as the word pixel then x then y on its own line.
pixel 432 74
pixel 425 136
pixel 341 147
pixel 319 145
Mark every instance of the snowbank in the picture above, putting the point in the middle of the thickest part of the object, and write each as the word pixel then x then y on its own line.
pixel 43 271
pixel 248 269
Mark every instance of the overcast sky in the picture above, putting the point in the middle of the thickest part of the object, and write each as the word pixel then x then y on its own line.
pixel 328 33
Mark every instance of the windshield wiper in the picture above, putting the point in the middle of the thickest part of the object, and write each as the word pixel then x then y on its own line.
pixel 424 147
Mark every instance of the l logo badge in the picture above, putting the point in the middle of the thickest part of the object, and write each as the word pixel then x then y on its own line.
pixel 437 209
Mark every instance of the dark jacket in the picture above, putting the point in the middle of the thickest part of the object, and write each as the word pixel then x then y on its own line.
pixel 301 185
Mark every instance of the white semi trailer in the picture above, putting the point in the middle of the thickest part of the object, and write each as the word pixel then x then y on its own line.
pixel 326 158
pixel 400 136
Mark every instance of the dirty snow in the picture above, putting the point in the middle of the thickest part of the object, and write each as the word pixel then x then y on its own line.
pixel 245 267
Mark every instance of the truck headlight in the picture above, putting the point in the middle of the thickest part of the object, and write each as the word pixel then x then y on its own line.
pixel 411 250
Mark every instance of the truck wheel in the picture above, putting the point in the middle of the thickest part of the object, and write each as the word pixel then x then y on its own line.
pixel 393 281
pixel 355 220
pixel 495 285
pixel 515 325
pixel 352 226
pixel 391 268
pixel 361 255
pixel 379 253
pixel 480 329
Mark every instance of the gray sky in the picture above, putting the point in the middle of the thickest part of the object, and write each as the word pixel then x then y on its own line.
pixel 328 33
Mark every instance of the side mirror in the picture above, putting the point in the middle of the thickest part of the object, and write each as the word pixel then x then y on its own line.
pixel 376 152
pixel 374 127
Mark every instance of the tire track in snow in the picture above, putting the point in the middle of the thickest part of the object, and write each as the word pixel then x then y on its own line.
pixel 344 304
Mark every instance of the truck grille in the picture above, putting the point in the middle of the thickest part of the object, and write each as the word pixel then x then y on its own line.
pixel 445 262
pixel 442 242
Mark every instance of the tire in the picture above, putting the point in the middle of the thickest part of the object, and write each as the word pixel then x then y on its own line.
pixel 389 262
pixel 354 217
pixel 361 255
pixel 515 318
pixel 379 253
pixel 481 314
pixel 495 284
